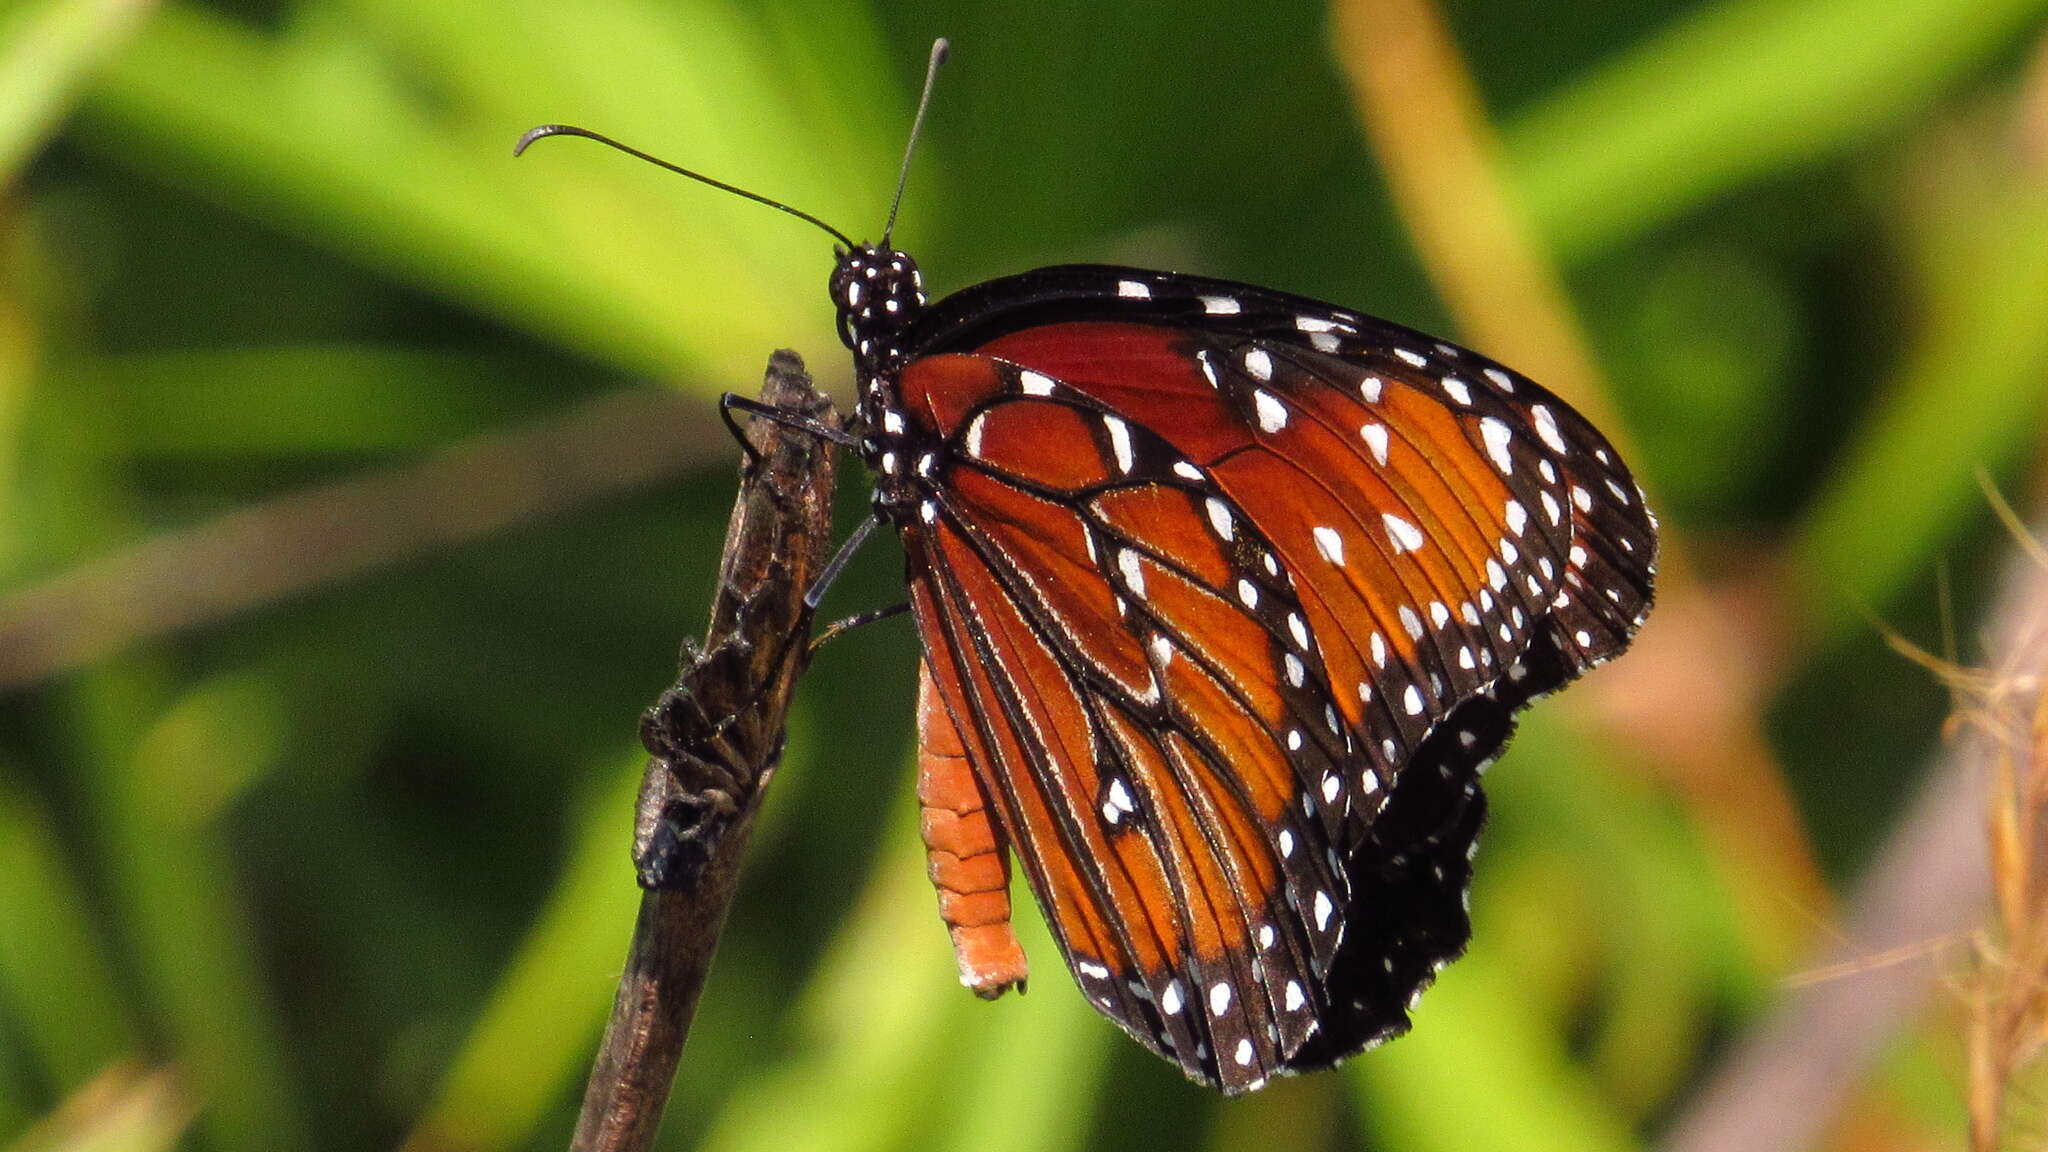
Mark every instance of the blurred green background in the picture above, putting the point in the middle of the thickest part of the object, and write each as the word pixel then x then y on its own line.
pixel 349 516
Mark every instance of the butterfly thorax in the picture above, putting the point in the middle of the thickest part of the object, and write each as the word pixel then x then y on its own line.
pixel 879 292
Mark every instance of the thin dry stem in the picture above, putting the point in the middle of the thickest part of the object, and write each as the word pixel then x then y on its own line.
pixel 716 740
pixel 2005 991
pixel 1969 846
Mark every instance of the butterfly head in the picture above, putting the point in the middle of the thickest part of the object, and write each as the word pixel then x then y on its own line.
pixel 878 291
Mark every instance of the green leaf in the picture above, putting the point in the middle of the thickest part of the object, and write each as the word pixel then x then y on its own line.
pixel 192 934
pixel 322 132
pixel 1727 96
pixel 47 52
pixel 551 1002
pixel 62 993
pixel 1967 400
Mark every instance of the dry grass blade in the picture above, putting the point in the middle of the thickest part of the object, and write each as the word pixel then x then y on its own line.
pixel 2005 990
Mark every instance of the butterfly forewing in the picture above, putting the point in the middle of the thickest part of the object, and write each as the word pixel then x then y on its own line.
pixel 1233 595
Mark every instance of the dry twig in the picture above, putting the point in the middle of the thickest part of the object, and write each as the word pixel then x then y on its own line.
pixel 715 740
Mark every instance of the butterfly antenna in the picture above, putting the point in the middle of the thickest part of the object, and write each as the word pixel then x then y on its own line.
pixel 931 75
pixel 547 130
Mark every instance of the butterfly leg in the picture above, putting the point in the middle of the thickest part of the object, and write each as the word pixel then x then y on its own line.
pixel 837 564
pixel 733 401
pixel 848 624
pixel 965 853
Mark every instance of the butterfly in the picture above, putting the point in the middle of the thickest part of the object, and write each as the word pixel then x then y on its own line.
pixel 1227 598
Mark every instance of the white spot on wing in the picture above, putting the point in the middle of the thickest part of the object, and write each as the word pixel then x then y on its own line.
pixel 1272 413
pixel 1329 544
pixel 1120 797
pixel 1496 434
pixel 1376 438
pixel 1258 364
pixel 1219 997
pixel 1133 290
pixel 1546 427
pixel 1128 563
pixel 1406 537
pixel 1120 442
pixel 1034 383
pixel 1456 390
pixel 1221 305
pixel 1219 518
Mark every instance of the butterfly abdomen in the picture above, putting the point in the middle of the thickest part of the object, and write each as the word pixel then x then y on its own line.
pixel 964 853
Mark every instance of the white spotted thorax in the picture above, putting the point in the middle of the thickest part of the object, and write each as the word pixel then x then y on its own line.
pixel 879 292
